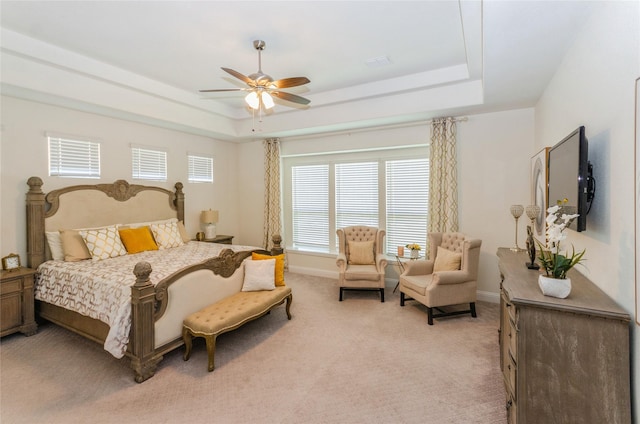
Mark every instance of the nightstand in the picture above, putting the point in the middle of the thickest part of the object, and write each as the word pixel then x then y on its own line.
pixel 16 302
pixel 220 239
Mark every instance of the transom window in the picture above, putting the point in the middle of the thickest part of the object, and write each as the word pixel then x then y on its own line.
pixel 200 168
pixel 71 157
pixel 148 163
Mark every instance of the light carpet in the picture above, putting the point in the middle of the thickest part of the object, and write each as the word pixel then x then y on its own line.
pixel 356 361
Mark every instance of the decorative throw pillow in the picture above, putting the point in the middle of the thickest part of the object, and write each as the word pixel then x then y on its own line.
pixel 137 240
pixel 167 235
pixel 279 270
pixel 55 245
pixel 103 243
pixel 446 260
pixel 259 275
pixel 73 246
pixel 361 253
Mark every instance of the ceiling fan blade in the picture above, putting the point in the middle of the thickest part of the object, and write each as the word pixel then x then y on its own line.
pixel 221 89
pixel 241 77
pixel 290 82
pixel 290 97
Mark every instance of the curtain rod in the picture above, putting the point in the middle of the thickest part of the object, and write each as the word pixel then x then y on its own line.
pixel 380 127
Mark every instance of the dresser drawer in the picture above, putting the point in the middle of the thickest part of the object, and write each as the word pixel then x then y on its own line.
pixel 11 286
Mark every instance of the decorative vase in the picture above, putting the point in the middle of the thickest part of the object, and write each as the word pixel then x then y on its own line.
pixel 415 254
pixel 554 287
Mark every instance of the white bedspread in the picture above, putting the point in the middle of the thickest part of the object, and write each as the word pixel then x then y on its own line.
pixel 102 289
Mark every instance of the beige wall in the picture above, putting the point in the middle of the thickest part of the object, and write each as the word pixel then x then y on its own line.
pixel 595 87
pixel 24 154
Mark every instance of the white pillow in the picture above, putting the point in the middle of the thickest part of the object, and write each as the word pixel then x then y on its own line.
pixel 259 275
pixel 103 243
pixel 55 245
pixel 167 235
pixel 149 223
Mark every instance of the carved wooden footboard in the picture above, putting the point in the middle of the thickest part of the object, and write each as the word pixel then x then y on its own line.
pixel 121 203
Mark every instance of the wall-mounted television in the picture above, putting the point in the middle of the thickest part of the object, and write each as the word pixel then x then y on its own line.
pixel 571 176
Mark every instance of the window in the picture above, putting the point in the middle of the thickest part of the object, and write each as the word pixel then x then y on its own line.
pixel 407 184
pixel 149 164
pixel 200 168
pixel 333 191
pixel 310 212
pixel 356 194
pixel 73 158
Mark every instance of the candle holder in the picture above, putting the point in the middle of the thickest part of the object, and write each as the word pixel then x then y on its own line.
pixel 532 212
pixel 516 211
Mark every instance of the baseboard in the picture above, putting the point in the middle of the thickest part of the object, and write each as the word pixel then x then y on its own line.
pixel 490 297
pixel 314 271
pixel 483 296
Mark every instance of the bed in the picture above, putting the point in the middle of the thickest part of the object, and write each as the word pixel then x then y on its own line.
pixel 154 303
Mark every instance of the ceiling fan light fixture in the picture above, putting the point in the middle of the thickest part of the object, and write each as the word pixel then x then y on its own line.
pixel 252 100
pixel 267 100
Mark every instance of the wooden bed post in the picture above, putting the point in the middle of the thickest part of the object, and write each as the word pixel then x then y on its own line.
pixel 180 201
pixel 141 335
pixel 35 223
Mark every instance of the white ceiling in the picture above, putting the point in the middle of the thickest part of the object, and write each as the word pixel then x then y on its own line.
pixel 146 60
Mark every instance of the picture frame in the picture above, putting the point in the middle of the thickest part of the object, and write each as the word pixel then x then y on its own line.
pixel 636 168
pixel 539 191
pixel 11 262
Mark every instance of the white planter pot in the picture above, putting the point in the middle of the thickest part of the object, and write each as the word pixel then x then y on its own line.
pixel 415 254
pixel 554 287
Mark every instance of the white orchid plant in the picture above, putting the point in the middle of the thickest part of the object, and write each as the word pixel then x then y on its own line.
pixel 555 263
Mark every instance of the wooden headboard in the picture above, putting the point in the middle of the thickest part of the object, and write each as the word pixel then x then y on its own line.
pixel 84 206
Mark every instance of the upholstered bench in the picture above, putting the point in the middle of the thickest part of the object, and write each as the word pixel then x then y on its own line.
pixel 229 314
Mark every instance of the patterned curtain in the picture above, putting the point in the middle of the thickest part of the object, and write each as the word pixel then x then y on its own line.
pixel 272 223
pixel 443 180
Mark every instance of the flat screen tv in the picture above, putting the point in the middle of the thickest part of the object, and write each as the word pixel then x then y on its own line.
pixel 571 176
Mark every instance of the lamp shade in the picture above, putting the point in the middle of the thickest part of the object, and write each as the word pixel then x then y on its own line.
pixel 267 100
pixel 209 217
pixel 252 100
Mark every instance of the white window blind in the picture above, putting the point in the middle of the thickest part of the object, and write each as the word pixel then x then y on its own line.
pixel 200 169
pixel 407 183
pixel 73 158
pixel 310 204
pixel 148 164
pixel 356 194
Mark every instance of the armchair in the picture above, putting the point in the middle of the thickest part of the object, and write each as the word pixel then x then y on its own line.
pixel 448 277
pixel 360 259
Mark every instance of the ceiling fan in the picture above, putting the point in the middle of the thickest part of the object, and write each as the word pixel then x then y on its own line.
pixel 262 88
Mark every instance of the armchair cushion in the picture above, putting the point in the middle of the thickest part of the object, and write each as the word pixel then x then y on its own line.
pixel 362 272
pixel 446 260
pixel 417 283
pixel 361 252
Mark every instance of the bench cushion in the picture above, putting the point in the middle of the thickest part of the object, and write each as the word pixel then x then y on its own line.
pixel 234 311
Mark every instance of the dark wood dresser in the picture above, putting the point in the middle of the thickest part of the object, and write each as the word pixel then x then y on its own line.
pixel 563 360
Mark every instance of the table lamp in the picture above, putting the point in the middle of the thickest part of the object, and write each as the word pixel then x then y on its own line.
pixel 209 218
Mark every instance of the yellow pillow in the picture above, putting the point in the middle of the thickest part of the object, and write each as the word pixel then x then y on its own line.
pixel 361 252
pixel 279 273
pixel 446 260
pixel 137 240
